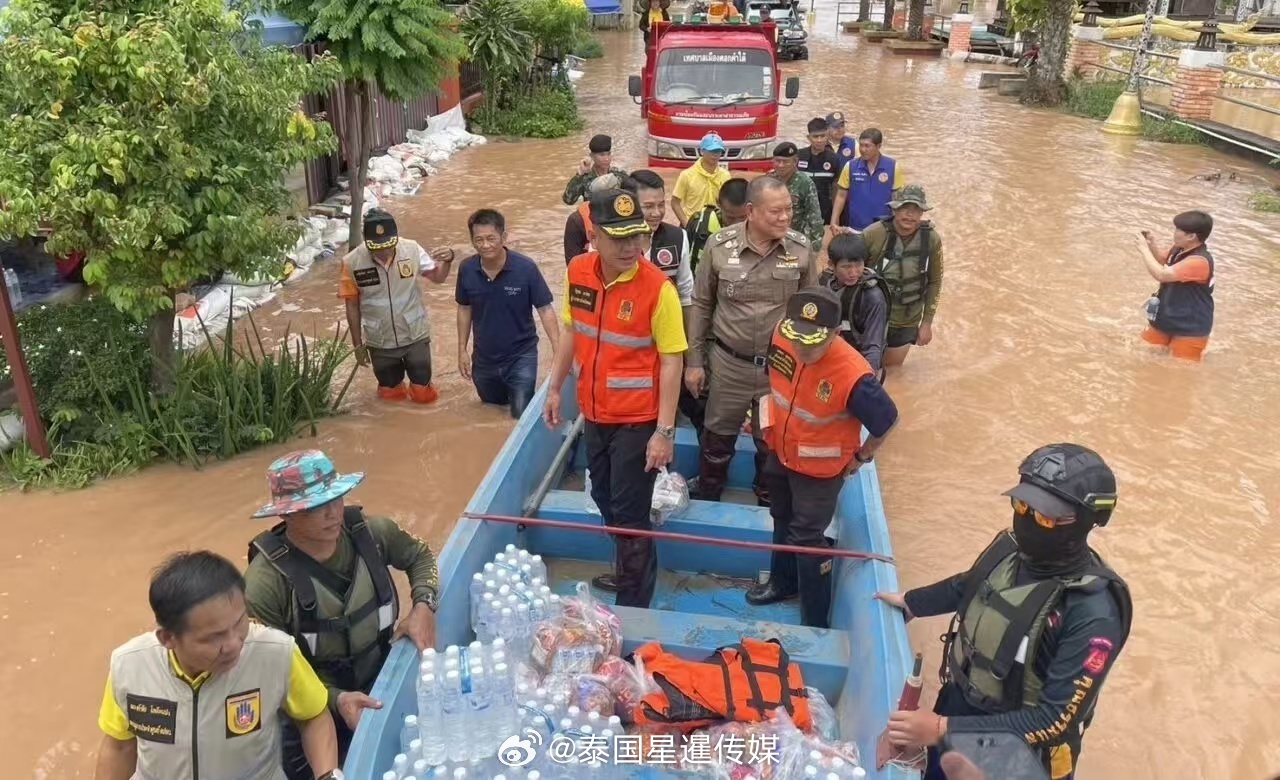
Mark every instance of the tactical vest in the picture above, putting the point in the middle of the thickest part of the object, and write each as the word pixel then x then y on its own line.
pixel 906 271
pixel 392 313
pixel 344 629
pixel 700 228
pixel 664 252
pixel 996 617
pixel 852 326
pixel 1186 308
pixel 228 727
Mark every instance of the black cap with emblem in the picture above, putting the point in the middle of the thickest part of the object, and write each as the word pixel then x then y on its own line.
pixel 1064 480
pixel 617 213
pixel 379 230
pixel 599 144
pixel 813 315
pixel 785 149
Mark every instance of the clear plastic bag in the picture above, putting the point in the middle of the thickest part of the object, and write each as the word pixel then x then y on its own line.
pixel 582 636
pixel 670 496
pixel 823 716
pixel 629 683
pixel 586 492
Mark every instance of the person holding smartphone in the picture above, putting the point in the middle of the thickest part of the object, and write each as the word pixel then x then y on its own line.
pixel 1039 619
pixel 1180 313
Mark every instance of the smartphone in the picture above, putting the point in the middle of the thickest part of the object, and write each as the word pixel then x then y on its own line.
pixel 1000 755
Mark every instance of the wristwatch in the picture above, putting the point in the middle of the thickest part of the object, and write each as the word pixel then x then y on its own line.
pixel 332 774
pixel 666 431
pixel 864 461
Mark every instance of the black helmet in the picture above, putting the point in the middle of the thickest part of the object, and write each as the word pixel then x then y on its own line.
pixel 1067 479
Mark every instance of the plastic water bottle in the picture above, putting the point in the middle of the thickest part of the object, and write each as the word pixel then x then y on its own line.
pixel 400 764
pixel 453 713
pixel 858 773
pixel 477 591
pixel 409 732
pixel 12 284
pixel 421 768
pixel 539 566
pixel 460 773
pixel 430 727
pixel 415 750
pixel 1152 308
pixel 523 629
pixel 480 706
pixel 390 774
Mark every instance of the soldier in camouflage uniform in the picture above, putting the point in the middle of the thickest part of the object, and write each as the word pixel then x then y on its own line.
pixel 598 164
pixel 806 210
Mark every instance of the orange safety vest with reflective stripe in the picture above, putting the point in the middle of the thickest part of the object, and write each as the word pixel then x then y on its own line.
pixel 584 211
pixel 615 356
pixel 805 417
pixel 743 682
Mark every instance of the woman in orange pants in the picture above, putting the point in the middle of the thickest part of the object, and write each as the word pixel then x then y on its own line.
pixel 1180 313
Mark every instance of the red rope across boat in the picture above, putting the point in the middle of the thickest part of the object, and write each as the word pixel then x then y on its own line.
pixel 830 552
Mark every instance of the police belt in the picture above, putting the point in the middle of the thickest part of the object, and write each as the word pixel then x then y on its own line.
pixel 756 360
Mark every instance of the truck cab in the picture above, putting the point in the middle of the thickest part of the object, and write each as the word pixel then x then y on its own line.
pixel 702 77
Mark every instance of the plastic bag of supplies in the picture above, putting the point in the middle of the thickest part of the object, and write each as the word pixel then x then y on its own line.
pixel 670 496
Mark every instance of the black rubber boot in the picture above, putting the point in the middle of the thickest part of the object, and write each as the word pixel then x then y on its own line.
pixel 606 582
pixel 637 572
pixel 815 590
pixel 757 482
pixel 713 466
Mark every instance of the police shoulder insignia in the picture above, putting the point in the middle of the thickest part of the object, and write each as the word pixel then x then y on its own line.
pixel 1099 652
pixel 244 713
pixel 824 387
pixel 625 310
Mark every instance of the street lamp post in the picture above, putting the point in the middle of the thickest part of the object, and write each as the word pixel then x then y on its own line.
pixel 1126 114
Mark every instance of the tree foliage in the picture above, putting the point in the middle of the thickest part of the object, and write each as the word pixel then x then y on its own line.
pixel 1046 85
pixel 517 44
pixel 155 135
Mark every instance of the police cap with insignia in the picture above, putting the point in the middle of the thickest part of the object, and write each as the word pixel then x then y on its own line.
pixel 813 315
pixel 379 230
pixel 617 213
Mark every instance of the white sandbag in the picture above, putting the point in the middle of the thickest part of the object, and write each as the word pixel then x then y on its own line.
pixel 213 305
pixel 439 155
pixel 11 430
pixel 451 118
pixel 339 232
pixel 385 168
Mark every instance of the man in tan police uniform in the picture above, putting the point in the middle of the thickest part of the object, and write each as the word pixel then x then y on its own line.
pixel 741 287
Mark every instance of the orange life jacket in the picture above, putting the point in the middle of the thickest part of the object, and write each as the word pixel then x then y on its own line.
pixel 743 682
pixel 613 347
pixel 805 417
pixel 584 211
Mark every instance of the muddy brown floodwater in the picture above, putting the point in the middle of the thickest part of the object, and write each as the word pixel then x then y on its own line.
pixel 1036 341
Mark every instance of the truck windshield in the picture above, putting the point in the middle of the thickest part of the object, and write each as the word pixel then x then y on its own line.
pixel 713 76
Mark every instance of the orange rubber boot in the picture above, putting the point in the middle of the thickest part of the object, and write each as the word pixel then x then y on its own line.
pixel 423 394
pixel 396 393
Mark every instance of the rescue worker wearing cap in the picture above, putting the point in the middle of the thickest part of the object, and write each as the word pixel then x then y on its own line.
pixel 205 694
pixel 821 394
pixel 819 162
pixel 1038 620
pixel 866 185
pixel 806 212
pixel 596 164
pixel 740 290
pixel 577 226
pixel 906 250
pixel 624 332
pixel 698 186
pixel 844 146
pixel 390 328
pixel 321 576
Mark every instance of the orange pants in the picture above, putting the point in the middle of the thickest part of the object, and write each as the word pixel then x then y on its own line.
pixel 1184 347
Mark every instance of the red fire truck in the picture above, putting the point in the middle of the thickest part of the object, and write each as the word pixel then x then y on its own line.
pixel 703 77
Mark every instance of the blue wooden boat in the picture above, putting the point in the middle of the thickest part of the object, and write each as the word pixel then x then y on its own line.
pixel 859 664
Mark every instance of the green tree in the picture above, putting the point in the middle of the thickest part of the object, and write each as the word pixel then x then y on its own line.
pixel 155 135
pixel 1046 85
pixel 403 47
pixel 499 43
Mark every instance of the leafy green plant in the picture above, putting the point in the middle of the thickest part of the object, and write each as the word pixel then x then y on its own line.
pixel 69 345
pixel 1266 201
pixel 555 26
pixel 155 135
pixel 497 37
pixel 550 113
pixel 588 47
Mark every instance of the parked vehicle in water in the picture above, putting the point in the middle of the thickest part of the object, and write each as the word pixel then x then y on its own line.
pixel 792 39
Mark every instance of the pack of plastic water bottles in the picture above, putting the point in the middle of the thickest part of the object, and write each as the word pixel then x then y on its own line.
pixel 509 597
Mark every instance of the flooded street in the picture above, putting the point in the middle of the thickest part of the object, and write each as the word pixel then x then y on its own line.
pixel 1036 341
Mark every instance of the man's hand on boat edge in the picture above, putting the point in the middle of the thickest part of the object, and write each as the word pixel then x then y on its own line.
pixel 895 600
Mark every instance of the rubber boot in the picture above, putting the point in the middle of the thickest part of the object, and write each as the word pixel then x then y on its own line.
pixel 757 482
pixel 637 572
pixel 423 394
pixel 713 464
pixel 782 583
pixel 397 393
pixel 815 590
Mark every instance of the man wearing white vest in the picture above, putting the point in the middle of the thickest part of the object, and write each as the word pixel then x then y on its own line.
pixel 202 696
pixel 389 325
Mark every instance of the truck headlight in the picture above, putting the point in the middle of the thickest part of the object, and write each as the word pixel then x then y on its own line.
pixel 667 151
pixel 792 34
pixel 756 152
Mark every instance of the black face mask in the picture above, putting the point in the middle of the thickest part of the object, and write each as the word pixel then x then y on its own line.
pixel 1062 551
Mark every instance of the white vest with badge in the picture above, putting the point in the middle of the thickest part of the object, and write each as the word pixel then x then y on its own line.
pixel 227 729
pixel 392 313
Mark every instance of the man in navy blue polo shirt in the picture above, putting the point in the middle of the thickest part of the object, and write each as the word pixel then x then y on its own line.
pixel 498 291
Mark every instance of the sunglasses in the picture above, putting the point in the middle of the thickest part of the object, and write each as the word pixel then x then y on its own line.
pixel 1042 520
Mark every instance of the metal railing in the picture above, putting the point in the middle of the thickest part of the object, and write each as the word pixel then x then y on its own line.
pixel 1134 51
pixel 1253 74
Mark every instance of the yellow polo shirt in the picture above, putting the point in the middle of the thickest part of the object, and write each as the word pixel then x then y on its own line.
pixel 307 696
pixel 696 189
pixel 667 321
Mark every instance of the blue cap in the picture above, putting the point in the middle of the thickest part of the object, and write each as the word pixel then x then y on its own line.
pixel 711 142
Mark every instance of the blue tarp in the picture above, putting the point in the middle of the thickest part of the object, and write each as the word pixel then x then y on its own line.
pixel 604 6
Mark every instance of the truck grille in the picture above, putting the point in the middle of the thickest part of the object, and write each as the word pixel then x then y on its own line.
pixel 691 153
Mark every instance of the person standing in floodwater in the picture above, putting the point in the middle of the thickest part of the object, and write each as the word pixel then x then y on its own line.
pixel 1180 313
pixel 597 164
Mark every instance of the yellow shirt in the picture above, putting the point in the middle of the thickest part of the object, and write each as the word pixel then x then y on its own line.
pixel 696 189
pixel 655 15
pixel 307 696
pixel 843 181
pixel 667 321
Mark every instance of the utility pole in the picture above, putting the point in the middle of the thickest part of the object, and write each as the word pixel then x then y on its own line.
pixel 1126 114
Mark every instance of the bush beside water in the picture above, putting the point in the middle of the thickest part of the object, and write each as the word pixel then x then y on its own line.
pixel 104 420
pixel 1094 99
pixel 549 113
